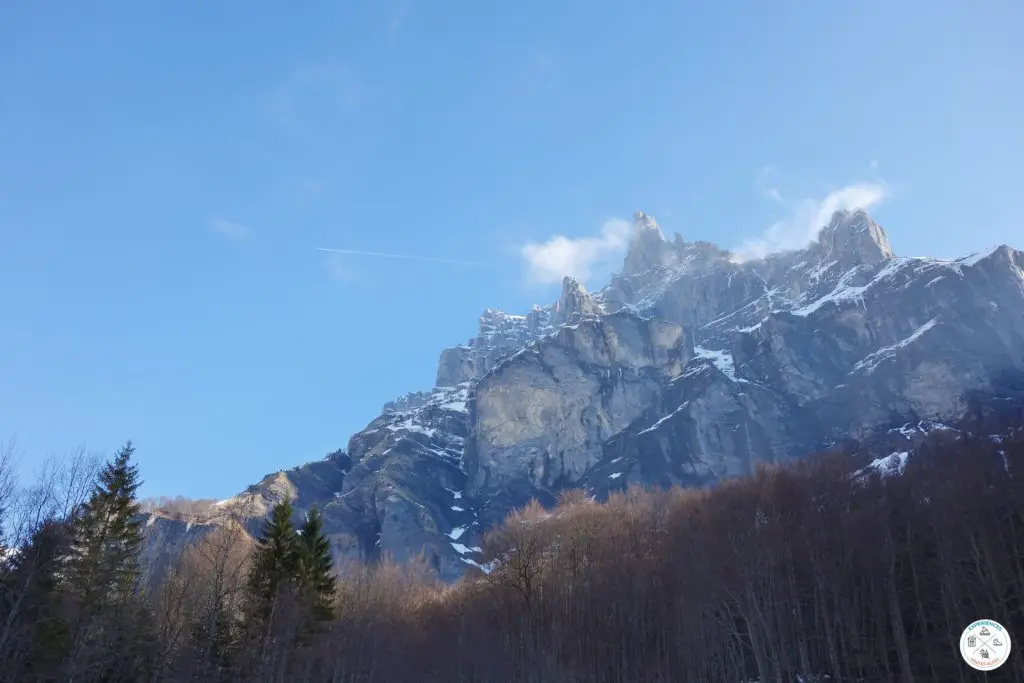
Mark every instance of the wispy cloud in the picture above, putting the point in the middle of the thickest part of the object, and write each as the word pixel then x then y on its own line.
pixel 313 92
pixel 767 179
pixel 409 257
pixel 807 217
pixel 553 259
pixel 230 229
pixel 339 268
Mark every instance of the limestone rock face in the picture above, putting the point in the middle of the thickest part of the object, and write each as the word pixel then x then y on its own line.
pixel 393 491
pixel 852 236
pixel 456 365
pixel 845 341
pixel 574 304
pixel 540 418
pixel 164 540
pixel 501 334
pixel 689 366
pixel 648 249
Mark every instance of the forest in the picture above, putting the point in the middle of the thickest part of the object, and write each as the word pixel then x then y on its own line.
pixel 817 571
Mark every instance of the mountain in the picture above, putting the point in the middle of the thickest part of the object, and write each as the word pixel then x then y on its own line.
pixel 691 365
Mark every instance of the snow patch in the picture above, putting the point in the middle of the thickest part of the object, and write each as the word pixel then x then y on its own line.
pixel 664 419
pixel 457 508
pixel 923 427
pixel 485 568
pixel 615 476
pixel 409 426
pixel 844 292
pixel 456 533
pixel 906 430
pixel 752 327
pixel 818 272
pixel 721 359
pixel 894 463
pixel 873 360
pixel 464 550
pixel 975 259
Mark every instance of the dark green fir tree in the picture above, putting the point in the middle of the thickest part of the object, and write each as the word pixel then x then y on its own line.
pixel 315 570
pixel 274 565
pixel 103 563
pixel 34 630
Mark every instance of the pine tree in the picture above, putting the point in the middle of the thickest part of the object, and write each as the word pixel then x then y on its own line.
pixel 274 564
pixel 103 567
pixel 315 577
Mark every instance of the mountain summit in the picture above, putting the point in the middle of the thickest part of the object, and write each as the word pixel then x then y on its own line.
pixel 854 237
pixel 647 247
pixel 686 368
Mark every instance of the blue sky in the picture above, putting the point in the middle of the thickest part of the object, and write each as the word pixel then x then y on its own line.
pixel 168 169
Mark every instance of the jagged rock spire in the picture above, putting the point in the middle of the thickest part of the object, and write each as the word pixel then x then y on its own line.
pixel 648 248
pixel 643 222
pixel 852 237
pixel 574 303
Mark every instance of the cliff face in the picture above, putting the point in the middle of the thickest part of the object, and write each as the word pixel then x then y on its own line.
pixel 541 417
pixel 688 367
pixel 396 489
pixel 501 335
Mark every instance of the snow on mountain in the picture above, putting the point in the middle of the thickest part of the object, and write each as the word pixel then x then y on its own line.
pixel 689 366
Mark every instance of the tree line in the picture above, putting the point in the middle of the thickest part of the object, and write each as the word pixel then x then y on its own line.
pixel 811 572
pixel 74 605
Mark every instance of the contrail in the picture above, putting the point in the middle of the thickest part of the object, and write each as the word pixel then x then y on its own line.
pixel 411 257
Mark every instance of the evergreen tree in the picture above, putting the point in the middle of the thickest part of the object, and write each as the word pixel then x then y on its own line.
pixel 103 567
pixel 274 564
pixel 33 632
pixel 315 577
pixel 107 617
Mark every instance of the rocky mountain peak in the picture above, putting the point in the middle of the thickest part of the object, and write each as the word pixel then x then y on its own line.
pixel 574 303
pixel 852 237
pixel 644 222
pixel 500 334
pixel 687 368
pixel 648 248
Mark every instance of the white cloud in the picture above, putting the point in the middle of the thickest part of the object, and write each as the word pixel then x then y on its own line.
pixel 559 256
pixel 230 229
pixel 766 184
pixel 807 217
